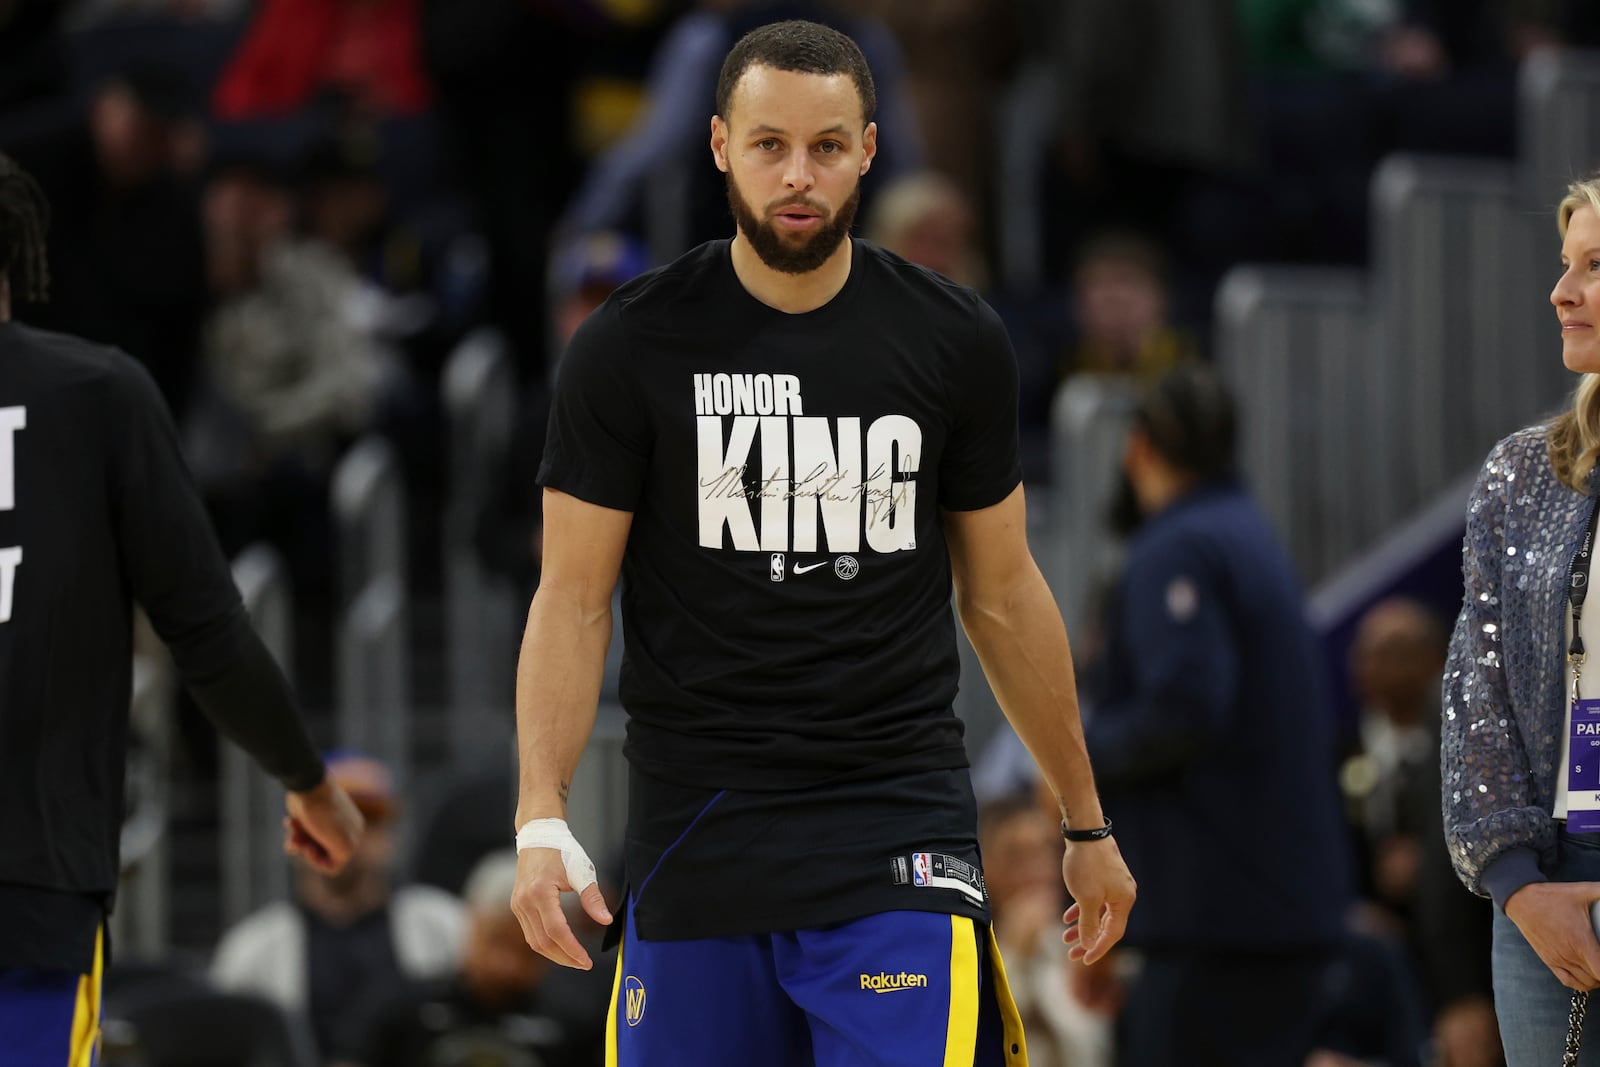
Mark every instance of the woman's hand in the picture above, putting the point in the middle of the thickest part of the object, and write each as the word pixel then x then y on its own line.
pixel 1554 917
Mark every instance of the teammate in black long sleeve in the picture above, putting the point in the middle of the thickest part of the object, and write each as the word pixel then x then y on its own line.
pixel 97 511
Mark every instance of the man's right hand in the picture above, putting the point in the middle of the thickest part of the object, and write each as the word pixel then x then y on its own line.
pixel 536 901
pixel 1554 917
pixel 322 825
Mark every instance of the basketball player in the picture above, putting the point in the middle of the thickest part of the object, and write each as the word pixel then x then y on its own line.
pixel 790 445
pixel 97 511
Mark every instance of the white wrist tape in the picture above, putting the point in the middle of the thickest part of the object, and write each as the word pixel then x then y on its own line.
pixel 553 833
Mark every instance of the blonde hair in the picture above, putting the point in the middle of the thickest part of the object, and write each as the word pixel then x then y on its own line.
pixel 1574 440
pixel 902 205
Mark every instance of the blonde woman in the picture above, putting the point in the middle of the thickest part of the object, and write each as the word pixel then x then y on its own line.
pixel 1521 740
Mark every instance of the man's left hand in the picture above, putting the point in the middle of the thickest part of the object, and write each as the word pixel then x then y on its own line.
pixel 1100 882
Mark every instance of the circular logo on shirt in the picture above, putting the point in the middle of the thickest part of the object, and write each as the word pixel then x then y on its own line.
pixel 846 567
pixel 1183 599
pixel 633 990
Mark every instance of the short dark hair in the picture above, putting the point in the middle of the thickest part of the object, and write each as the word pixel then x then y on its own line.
pixel 799 46
pixel 1191 420
pixel 24 220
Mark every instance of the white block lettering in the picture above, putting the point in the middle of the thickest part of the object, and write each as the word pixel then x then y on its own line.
pixel 722 494
pixel 894 444
pixel 10 560
pixel 775 483
pixel 827 483
pixel 11 420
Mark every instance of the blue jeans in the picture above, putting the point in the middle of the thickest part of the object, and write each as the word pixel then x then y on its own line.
pixel 1531 1003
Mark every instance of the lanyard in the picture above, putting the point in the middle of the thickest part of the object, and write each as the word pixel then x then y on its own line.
pixel 1578 592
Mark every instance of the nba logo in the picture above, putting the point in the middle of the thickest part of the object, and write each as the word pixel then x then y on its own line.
pixel 777 566
pixel 919 868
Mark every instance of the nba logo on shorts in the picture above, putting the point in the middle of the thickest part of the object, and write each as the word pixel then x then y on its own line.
pixel 919 868
pixel 777 566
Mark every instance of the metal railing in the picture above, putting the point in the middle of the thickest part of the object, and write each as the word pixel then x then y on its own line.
pixel 254 871
pixel 1089 428
pixel 1452 271
pixel 1295 344
pixel 482 609
pixel 141 922
pixel 373 677
pixel 1558 125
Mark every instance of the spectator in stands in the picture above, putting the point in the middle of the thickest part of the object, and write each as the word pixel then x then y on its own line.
pixel 504 71
pixel 1120 303
pixel 959 57
pixel 343 938
pixel 1150 104
pixel 1392 786
pixel 505 1003
pixel 1519 784
pixel 924 217
pixel 295 49
pixel 292 373
pixel 1217 752
pixel 1395 662
pixel 126 246
pixel 509 530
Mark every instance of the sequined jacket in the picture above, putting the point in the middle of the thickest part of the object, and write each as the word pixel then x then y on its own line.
pixel 1503 703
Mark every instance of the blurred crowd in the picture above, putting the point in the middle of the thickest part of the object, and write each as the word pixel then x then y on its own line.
pixel 293 211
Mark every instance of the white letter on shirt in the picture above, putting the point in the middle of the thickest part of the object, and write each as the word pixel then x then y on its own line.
pixel 723 501
pixel 10 560
pixel 11 420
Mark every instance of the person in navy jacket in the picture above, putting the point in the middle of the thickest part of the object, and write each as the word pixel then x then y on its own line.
pixel 1214 747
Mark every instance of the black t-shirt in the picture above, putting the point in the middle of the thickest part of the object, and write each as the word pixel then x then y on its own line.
pixel 97 511
pixel 344 964
pixel 786 585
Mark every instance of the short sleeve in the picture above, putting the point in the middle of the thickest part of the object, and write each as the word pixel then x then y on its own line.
pixel 981 465
pixel 599 442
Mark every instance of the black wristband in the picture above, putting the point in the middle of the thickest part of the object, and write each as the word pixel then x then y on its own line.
pixel 1086 835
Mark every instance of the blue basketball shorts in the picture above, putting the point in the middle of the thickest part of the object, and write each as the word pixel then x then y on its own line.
pixel 897 989
pixel 51 1018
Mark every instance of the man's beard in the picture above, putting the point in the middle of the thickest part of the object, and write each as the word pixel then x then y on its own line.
pixel 793 254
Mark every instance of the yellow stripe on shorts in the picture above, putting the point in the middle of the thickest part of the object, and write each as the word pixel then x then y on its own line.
pixel 1010 1017
pixel 85 1046
pixel 611 1017
pixel 961 1039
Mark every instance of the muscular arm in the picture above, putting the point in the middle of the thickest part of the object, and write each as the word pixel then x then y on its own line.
pixel 564 648
pixel 1012 620
pixel 558 687
pixel 1016 628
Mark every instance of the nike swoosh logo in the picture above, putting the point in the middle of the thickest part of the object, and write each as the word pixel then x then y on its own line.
pixel 798 569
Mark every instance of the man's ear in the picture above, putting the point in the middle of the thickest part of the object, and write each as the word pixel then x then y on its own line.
pixel 869 146
pixel 719 143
